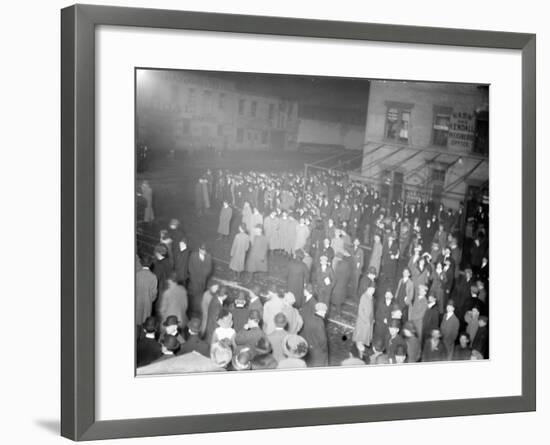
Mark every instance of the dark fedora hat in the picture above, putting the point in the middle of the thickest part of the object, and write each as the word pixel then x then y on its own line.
pixel 171 320
pixel 171 343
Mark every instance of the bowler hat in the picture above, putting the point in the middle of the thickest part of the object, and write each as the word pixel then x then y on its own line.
pixel 171 320
pixel 170 342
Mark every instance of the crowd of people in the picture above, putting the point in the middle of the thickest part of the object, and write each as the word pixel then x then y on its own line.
pixel 416 275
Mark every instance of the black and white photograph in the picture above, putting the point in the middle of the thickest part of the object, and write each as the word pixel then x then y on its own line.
pixel 288 221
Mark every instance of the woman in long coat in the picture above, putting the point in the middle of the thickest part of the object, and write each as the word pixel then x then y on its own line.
pixel 342 275
pixel 376 254
pixel 241 244
pixel 365 319
pixel 225 219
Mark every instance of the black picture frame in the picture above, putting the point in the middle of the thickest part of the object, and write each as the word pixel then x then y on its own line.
pixel 78 23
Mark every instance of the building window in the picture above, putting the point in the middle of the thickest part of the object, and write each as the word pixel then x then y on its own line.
pixel 398 122
pixel 438 175
pixel 264 137
pixel 221 103
pixel 241 106
pixel 253 106
pixel 271 111
pixel 240 135
pixel 441 125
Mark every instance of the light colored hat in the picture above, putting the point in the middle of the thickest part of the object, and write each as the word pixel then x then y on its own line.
pixel 295 346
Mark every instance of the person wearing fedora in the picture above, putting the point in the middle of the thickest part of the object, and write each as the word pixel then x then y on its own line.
pixel 394 340
pixel 277 336
pixel 148 348
pixel 295 348
pixel 367 280
pixel 200 269
pixel 194 341
pixel 449 328
pixel 172 328
pixel 314 332
pixel 181 261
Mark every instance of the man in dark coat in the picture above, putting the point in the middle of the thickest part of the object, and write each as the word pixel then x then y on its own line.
pixel 461 292
pixel 431 318
pixel 214 308
pixel 194 341
pixel 296 277
pixel 480 342
pixel 394 340
pixel 315 332
pixel 200 269
pixel 181 262
pixel 148 348
pixel 342 275
pixel 161 267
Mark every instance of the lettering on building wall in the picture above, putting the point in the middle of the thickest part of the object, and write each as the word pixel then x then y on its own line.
pixel 461 130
